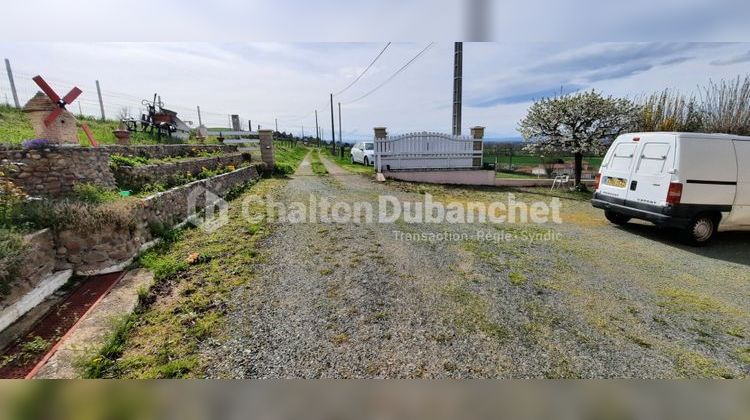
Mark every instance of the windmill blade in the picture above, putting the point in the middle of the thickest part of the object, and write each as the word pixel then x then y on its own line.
pixel 52 115
pixel 72 95
pixel 46 88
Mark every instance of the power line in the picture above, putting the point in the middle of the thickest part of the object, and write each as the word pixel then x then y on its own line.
pixel 408 63
pixel 365 71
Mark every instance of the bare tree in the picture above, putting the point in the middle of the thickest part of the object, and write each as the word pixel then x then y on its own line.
pixel 726 106
pixel 669 110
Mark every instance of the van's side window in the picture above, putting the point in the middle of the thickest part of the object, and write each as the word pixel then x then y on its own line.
pixel 653 158
pixel 622 157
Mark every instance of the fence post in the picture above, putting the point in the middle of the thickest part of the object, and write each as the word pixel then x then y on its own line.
pixel 265 138
pixel 12 83
pixel 101 103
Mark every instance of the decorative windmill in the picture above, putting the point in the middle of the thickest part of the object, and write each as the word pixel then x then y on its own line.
pixel 48 115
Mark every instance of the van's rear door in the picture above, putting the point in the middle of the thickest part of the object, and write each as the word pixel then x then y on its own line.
pixel 652 169
pixel 617 167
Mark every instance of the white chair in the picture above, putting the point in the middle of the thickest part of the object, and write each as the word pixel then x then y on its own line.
pixel 560 180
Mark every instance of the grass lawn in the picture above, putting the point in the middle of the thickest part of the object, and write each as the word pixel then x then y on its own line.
pixel 15 128
pixel 346 163
pixel 288 157
pixel 317 166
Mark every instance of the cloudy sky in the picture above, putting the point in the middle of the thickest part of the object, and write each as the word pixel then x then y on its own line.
pixel 264 81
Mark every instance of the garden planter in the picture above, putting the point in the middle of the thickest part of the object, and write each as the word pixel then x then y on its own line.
pixel 123 136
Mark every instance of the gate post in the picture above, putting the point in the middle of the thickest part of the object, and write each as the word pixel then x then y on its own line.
pixel 265 138
pixel 477 133
pixel 380 134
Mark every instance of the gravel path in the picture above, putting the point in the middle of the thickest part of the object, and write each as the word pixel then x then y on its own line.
pixel 354 300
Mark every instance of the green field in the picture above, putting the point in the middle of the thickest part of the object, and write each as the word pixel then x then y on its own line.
pixel 529 160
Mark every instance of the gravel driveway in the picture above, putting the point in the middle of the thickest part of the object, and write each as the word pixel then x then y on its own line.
pixel 356 300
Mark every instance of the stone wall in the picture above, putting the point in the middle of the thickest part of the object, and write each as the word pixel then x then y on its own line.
pixel 136 177
pixel 111 249
pixel 159 151
pixel 55 171
pixel 37 264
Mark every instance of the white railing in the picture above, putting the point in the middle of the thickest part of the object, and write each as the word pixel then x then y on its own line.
pixel 427 151
pixel 244 136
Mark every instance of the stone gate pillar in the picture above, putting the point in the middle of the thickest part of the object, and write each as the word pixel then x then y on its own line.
pixel 477 133
pixel 266 148
pixel 380 132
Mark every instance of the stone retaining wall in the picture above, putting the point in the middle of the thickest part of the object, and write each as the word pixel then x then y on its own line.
pixel 37 264
pixel 136 177
pixel 111 249
pixel 55 171
pixel 159 151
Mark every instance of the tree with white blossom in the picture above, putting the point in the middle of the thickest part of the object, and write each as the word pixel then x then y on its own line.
pixel 579 123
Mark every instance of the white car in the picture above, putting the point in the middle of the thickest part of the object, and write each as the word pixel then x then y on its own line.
pixel 364 153
pixel 698 183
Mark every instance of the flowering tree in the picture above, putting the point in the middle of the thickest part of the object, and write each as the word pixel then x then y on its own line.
pixel 577 123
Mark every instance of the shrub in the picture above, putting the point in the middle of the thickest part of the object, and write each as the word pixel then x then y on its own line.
pixel 726 106
pixel 11 197
pixel 92 193
pixel 670 111
pixel 283 169
pixel 116 161
pixel 78 215
pixel 11 256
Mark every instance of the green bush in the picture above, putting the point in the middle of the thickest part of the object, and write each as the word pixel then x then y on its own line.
pixel 12 248
pixel 92 193
pixel 116 161
pixel 283 169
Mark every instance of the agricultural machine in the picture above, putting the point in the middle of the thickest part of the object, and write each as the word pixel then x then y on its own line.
pixel 159 121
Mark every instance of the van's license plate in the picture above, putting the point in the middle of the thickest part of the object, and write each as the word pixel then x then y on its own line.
pixel 617 182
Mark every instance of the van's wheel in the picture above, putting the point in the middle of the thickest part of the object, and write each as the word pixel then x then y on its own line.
pixel 701 230
pixel 367 161
pixel 616 218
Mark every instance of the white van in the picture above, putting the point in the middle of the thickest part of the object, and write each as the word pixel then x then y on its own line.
pixel 699 183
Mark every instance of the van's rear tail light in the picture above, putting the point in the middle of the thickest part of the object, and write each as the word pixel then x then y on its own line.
pixel 636 139
pixel 597 180
pixel 674 195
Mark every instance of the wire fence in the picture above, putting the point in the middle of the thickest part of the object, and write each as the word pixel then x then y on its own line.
pixel 116 104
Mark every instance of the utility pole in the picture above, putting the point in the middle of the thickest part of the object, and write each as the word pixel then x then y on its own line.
pixel 317 131
pixel 200 121
pixel 80 110
pixel 457 86
pixel 276 120
pixel 341 138
pixel 333 128
pixel 249 125
pixel 12 83
pixel 101 103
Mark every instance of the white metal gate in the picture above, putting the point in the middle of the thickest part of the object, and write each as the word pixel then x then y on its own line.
pixel 427 151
